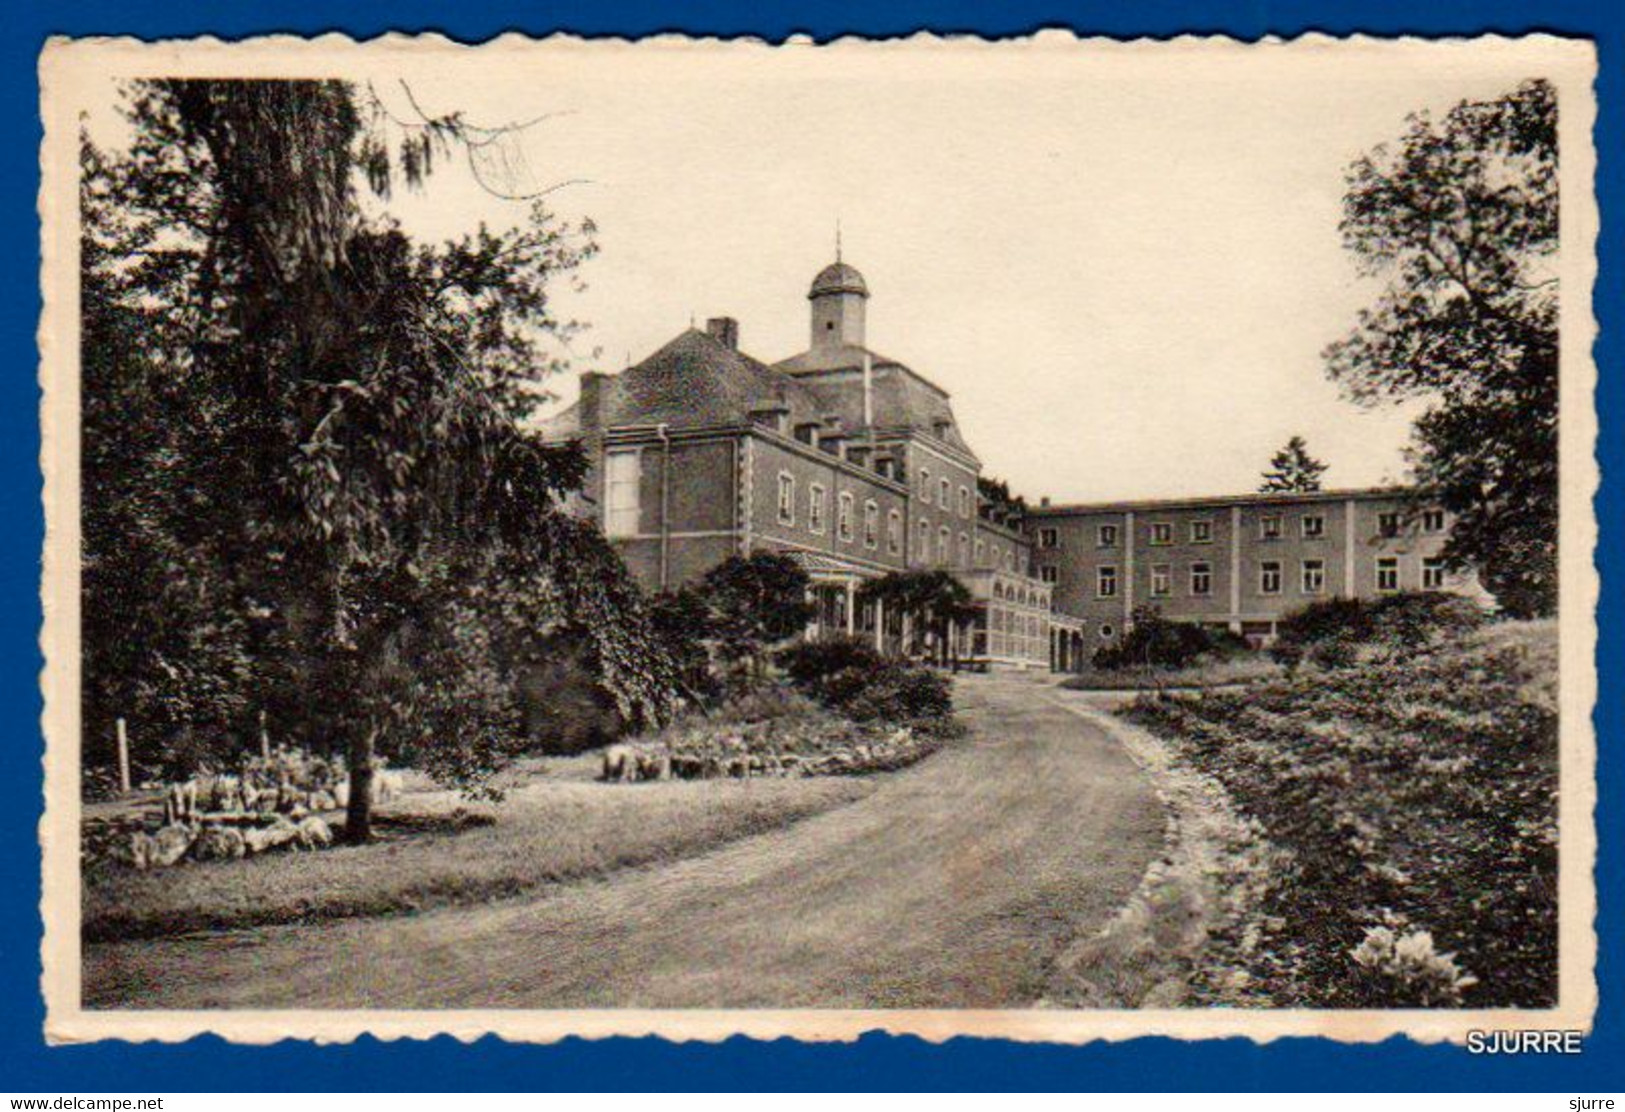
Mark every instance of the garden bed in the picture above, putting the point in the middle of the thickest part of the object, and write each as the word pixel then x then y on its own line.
pixel 1413 807
pixel 1253 668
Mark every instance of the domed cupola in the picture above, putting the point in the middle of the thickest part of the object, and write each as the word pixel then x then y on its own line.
pixel 838 295
pixel 838 277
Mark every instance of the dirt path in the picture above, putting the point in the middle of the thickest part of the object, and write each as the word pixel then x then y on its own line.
pixel 954 885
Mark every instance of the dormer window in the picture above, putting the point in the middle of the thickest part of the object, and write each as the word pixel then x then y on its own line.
pixel 772 417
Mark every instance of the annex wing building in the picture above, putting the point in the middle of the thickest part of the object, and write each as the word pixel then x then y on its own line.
pixel 852 463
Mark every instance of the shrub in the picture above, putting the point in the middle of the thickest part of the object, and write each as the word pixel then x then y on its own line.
pixel 898 693
pixel 1155 641
pixel 766 702
pixel 1408 623
pixel 683 624
pixel 849 676
pixel 563 706
pixel 1332 633
pixel 810 662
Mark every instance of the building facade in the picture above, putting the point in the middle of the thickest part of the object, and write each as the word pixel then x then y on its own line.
pixel 849 461
pixel 852 463
pixel 1239 563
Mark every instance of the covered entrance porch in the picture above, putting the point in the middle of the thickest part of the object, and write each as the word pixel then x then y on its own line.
pixel 1066 652
pixel 838 611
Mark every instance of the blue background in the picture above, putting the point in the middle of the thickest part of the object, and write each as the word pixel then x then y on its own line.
pixel 27 1065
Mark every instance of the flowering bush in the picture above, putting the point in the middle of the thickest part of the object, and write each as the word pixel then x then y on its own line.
pixel 1406 971
pixel 1419 794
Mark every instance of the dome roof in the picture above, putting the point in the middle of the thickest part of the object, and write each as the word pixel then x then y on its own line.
pixel 838 278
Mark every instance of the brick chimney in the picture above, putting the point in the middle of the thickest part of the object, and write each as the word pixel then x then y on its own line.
pixel 725 330
pixel 590 407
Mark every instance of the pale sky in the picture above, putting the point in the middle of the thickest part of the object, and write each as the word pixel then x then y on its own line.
pixel 1123 266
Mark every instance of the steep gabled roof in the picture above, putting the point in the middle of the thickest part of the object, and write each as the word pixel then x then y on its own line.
pixel 696 380
pixel 902 397
pixel 560 426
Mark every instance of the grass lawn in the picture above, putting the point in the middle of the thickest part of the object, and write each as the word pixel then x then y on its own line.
pixel 1250 668
pixel 555 828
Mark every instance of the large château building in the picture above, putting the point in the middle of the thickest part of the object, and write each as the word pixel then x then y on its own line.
pixel 849 461
pixel 852 463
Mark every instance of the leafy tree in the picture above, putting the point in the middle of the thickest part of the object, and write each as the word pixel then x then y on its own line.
pixel 1153 642
pixel 1293 468
pixel 337 413
pixel 1461 218
pixel 756 602
pixel 996 503
pixel 682 621
pixel 933 600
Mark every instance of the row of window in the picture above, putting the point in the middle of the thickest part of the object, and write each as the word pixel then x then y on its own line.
pixel 845 506
pixel 1311 526
pixel 945 495
pixel 1020 595
pixel 1271 577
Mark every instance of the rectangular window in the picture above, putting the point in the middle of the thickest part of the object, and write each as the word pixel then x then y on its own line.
pixel 965 509
pixel 925 486
pixel 1107 536
pixel 1432 573
pixel 843 516
pixel 1202 579
pixel 1161 580
pixel 787 498
pixel 1049 538
pixel 1049 573
pixel 1388 524
pixel 1432 521
pixel 1269 527
pixel 623 473
pixel 1106 581
pixel 1387 573
pixel 1269 577
pixel 1314 577
pixel 871 525
pixel 1201 532
pixel 816 498
pixel 894 533
pixel 1162 532
pixel 1314 525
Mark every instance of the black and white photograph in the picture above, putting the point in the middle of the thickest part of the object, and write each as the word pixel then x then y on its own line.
pixel 1053 539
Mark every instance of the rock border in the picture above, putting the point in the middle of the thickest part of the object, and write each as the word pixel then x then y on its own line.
pixel 1207 881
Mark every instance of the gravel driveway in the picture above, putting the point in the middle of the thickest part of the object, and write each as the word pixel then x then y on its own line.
pixel 952 886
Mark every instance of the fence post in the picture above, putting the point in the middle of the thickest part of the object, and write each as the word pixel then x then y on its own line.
pixel 123 758
pixel 265 738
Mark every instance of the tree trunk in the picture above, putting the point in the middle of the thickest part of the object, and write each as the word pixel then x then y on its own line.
pixel 358 810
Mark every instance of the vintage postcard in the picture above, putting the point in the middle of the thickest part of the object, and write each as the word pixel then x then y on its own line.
pixel 1051 539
